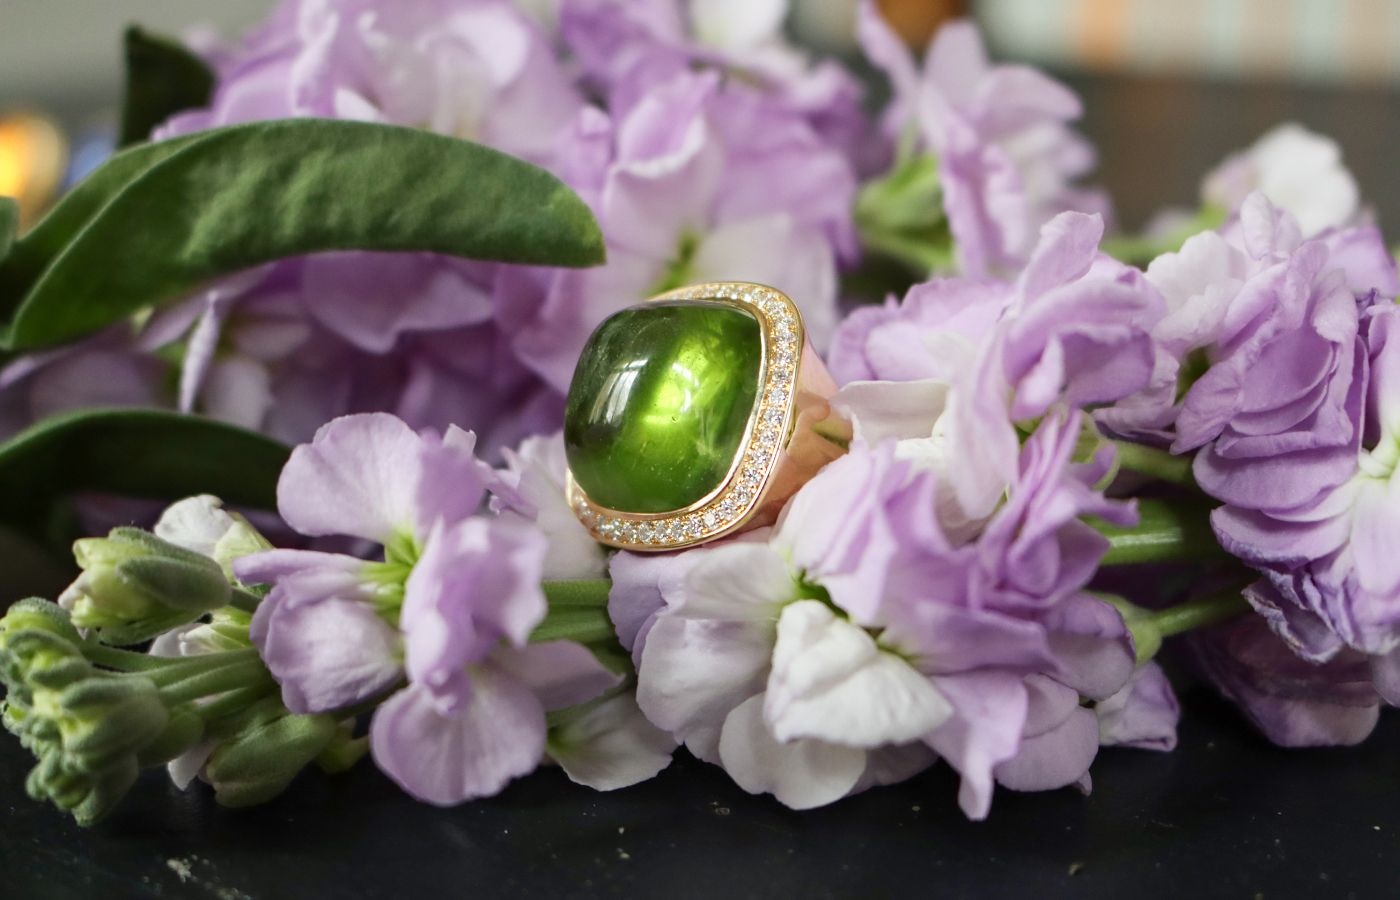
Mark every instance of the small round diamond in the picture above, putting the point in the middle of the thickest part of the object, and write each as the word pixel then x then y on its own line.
pixel 645 533
pixel 773 416
pixel 628 533
pixel 767 436
pixel 710 518
pixel 777 395
pixel 694 528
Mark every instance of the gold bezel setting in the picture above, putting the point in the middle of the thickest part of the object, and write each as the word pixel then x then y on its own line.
pixel 734 500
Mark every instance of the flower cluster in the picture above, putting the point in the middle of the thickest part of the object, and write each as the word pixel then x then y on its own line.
pixel 1043 409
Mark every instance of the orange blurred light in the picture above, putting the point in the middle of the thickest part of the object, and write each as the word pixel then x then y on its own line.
pixel 33 158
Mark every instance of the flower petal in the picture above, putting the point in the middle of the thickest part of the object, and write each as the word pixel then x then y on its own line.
pixel 611 745
pixel 693 673
pixel 801 774
pixel 496 735
pixel 830 681
pixel 359 476
pixel 326 655
pixel 561 673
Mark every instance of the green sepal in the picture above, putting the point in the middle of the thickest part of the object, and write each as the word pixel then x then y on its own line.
pixel 162 78
pixel 259 763
pixel 38 613
pixel 182 731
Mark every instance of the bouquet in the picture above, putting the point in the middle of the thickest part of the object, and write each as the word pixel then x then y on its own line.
pixel 303 350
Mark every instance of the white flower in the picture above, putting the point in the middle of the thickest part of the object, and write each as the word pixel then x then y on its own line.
pixel 1298 170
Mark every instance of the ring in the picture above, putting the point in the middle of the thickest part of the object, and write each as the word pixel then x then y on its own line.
pixel 694 415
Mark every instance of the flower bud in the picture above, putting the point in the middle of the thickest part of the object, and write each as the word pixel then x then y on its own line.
pixel 257 762
pixel 133 578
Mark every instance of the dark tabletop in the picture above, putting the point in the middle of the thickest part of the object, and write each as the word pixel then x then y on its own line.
pixel 1226 815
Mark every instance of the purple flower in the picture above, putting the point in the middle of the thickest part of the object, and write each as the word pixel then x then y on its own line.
pixel 1256 352
pixel 1143 714
pixel 1324 540
pixel 531 488
pixel 475 69
pixel 695 181
pixel 1006 156
pixel 842 651
pixel 450 608
pixel 108 369
pixel 623 45
pixel 950 371
pixel 1294 702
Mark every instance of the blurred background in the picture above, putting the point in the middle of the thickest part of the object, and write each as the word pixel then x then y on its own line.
pixel 1169 87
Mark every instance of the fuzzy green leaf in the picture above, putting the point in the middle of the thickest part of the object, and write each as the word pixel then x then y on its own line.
pixel 134 452
pixel 237 197
pixel 162 78
pixel 47 239
pixel 9 224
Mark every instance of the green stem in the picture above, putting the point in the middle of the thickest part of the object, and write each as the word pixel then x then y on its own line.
pixel 587 626
pixel 1155 462
pixel 229 676
pixel 232 701
pixel 247 601
pixel 587 592
pixel 1209 610
pixel 1165 532
pixel 123 660
pixel 1150 627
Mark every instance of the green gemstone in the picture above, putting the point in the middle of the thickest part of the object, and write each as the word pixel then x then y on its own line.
pixel 659 402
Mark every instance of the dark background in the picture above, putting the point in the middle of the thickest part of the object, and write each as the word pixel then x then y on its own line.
pixel 1226 815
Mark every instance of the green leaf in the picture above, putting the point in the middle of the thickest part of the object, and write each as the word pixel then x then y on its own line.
pixel 9 224
pixel 162 78
pixel 238 197
pixel 47 239
pixel 134 452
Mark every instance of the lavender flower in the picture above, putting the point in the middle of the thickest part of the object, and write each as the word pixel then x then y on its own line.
pixel 622 46
pixel 950 370
pixel 1319 533
pixel 695 181
pixel 1294 702
pixel 838 652
pixel 450 608
pixel 1258 339
pixel 475 69
pixel 1006 156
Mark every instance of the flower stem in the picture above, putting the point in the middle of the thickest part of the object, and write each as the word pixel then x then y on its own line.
pixel 124 660
pixel 577 592
pixel 247 601
pixel 1150 627
pixel 230 671
pixel 232 701
pixel 1209 610
pixel 1155 462
pixel 1165 532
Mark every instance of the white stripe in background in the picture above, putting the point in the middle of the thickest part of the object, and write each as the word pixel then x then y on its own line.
pixel 1317 40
